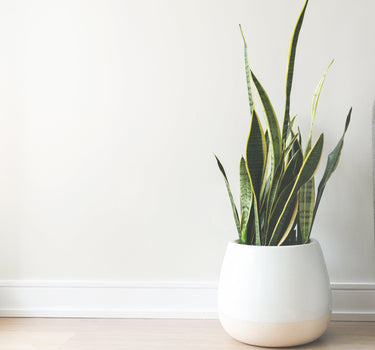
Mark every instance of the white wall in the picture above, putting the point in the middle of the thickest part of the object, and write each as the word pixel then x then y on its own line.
pixel 110 112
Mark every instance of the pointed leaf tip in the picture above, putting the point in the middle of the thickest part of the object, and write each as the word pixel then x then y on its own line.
pixel 243 35
pixel 290 70
pixel 348 119
pixel 234 208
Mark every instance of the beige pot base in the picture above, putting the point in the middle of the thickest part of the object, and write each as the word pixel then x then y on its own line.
pixel 275 334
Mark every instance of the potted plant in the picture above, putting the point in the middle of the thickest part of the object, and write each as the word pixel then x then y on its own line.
pixel 274 288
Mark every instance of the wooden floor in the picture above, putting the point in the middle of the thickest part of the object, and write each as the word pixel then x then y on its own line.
pixel 139 334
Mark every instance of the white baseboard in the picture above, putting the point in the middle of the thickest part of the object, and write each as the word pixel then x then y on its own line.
pixel 107 299
pixel 112 299
pixel 353 301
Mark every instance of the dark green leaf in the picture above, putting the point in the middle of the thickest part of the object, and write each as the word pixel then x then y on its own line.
pixel 258 240
pixel 332 162
pixel 272 122
pixel 290 173
pixel 290 222
pixel 256 153
pixel 234 209
pixel 307 171
pixel 246 198
pixel 278 206
pixel 290 70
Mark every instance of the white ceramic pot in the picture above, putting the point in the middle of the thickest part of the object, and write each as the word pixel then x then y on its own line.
pixel 274 296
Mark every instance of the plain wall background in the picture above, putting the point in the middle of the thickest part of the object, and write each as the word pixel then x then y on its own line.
pixel 110 112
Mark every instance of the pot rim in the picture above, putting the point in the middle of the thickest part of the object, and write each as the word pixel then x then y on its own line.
pixel 310 243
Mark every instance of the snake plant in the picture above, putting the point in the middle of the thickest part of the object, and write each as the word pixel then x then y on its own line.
pixel 277 187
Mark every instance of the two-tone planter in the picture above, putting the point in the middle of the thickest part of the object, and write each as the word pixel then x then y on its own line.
pixel 274 296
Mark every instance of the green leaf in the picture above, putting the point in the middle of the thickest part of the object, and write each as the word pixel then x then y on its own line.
pixel 307 171
pixel 248 74
pixel 291 218
pixel 332 162
pixel 255 149
pixel 250 236
pixel 275 187
pixel 296 147
pixel 254 215
pixel 267 175
pixel 272 122
pixel 234 209
pixel 290 172
pixel 290 145
pixel 314 105
pixel 290 70
pixel 256 153
pixel 258 240
pixel 306 203
pixel 272 197
pixel 290 128
pixel 246 199
pixel 278 206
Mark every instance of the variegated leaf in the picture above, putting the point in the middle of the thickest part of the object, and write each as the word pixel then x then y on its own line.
pixel 234 208
pixel 332 162
pixel 256 153
pixel 290 70
pixel 272 122
pixel 248 74
pixel 306 209
pixel 246 199
pixel 314 105
pixel 307 171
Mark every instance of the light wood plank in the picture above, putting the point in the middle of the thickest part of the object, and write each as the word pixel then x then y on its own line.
pixel 154 334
